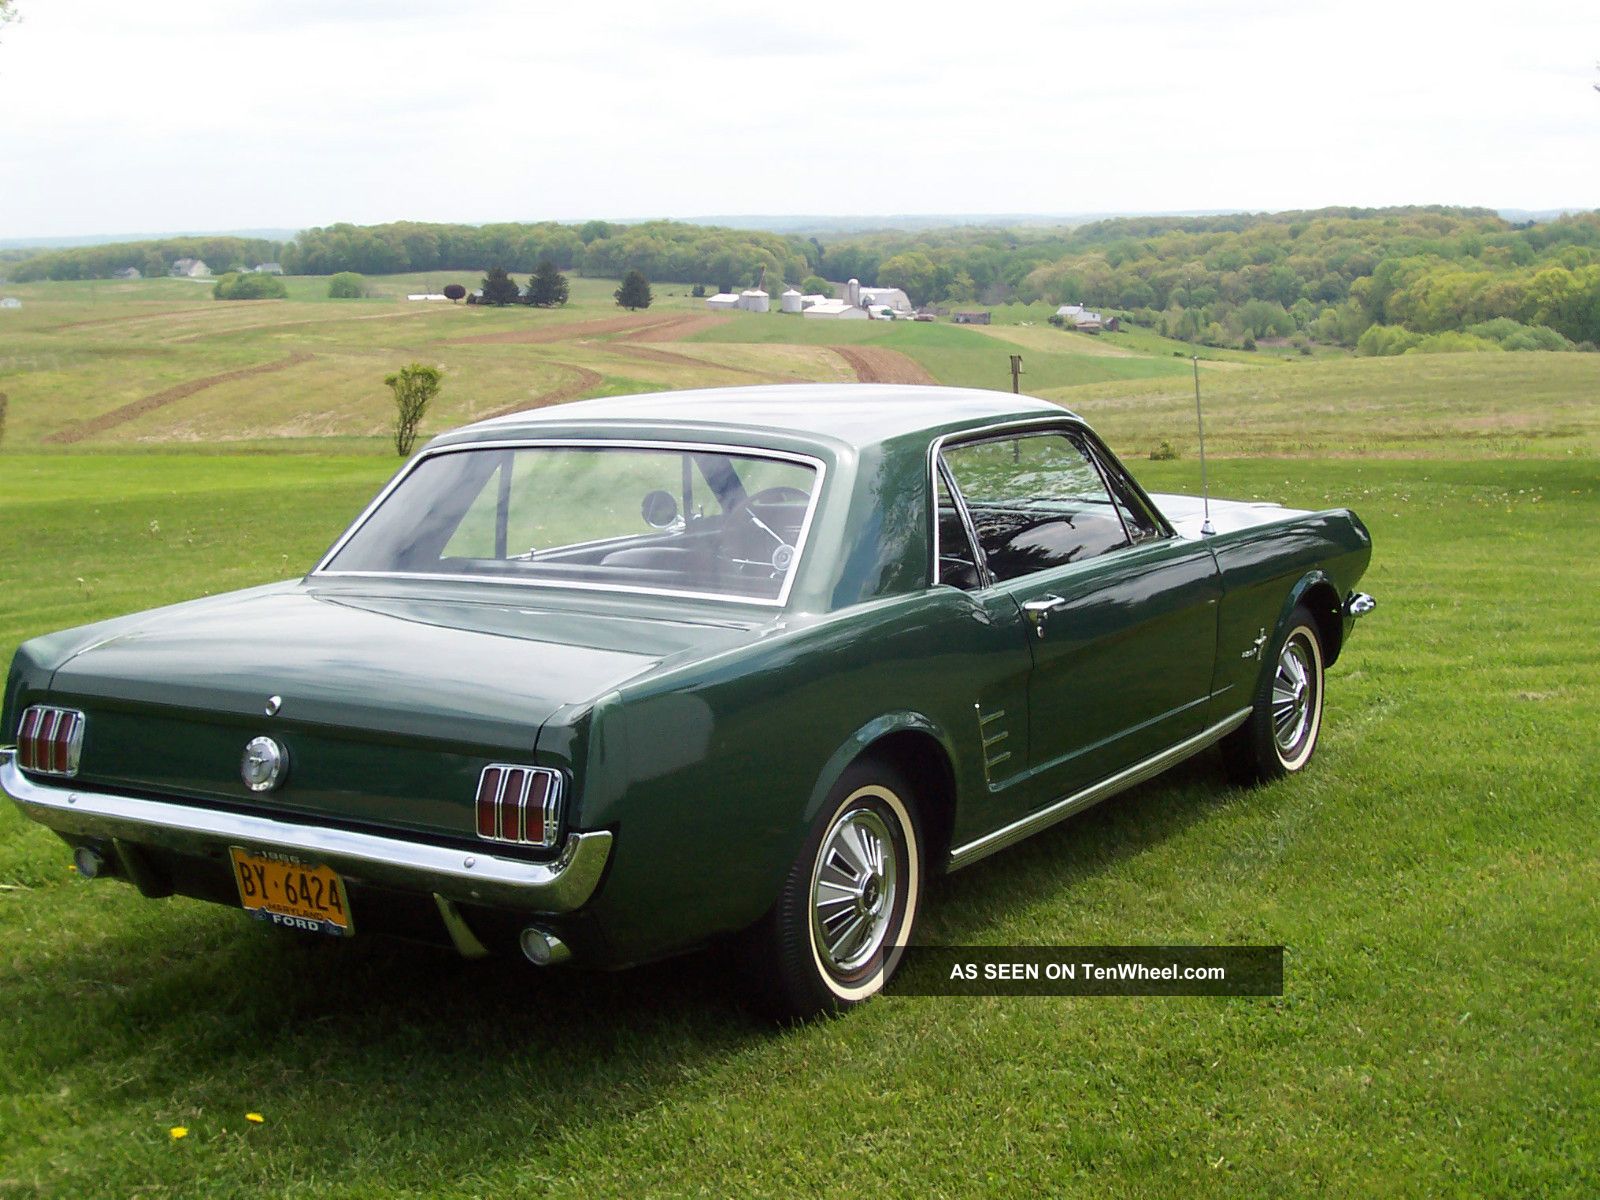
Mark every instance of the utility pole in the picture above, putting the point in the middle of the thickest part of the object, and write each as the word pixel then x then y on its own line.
pixel 1016 373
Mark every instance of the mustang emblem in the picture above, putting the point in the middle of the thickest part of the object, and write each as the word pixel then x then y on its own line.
pixel 264 765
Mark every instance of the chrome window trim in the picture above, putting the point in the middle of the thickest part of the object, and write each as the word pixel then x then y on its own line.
pixel 1065 424
pixel 980 560
pixel 323 571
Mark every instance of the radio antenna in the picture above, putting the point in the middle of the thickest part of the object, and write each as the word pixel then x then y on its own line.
pixel 1206 527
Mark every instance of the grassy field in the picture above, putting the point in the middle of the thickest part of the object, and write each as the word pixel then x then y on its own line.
pixel 1434 876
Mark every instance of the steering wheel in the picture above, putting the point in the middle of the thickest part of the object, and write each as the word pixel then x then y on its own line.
pixel 780 554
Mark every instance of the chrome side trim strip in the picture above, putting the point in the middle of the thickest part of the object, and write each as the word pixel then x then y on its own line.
pixel 460 875
pixel 1010 835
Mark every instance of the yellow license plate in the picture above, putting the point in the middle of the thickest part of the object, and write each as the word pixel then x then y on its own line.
pixel 291 891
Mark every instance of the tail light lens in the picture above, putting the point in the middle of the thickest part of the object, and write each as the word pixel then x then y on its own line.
pixel 520 805
pixel 50 740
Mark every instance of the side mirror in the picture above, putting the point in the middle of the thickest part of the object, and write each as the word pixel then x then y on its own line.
pixel 659 509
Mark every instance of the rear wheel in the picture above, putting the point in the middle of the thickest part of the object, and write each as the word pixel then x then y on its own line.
pixel 848 903
pixel 1280 734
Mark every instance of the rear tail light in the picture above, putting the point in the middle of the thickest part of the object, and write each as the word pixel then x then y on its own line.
pixel 520 805
pixel 49 740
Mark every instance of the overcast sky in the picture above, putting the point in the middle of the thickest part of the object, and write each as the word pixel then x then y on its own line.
pixel 224 114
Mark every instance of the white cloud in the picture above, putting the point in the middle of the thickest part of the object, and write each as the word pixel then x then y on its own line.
pixel 234 113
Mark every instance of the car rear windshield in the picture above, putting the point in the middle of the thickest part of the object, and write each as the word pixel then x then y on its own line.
pixel 693 520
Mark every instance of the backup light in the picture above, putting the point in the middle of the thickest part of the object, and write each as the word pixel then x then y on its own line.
pixel 50 740
pixel 519 805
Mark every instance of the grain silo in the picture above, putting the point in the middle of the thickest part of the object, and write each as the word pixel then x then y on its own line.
pixel 791 301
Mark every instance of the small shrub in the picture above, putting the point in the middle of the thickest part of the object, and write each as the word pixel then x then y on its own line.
pixel 414 387
pixel 454 292
pixel 249 287
pixel 1165 452
pixel 346 285
pixel 698 290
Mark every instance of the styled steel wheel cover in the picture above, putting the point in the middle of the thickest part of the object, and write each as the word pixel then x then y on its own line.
pixel 1296 698
pixel 855 887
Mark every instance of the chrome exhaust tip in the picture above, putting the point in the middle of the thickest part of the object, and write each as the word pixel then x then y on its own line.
pixel 543 948
pixel 90 863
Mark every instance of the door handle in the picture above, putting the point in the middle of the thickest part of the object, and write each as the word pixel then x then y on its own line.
pixel 1038 611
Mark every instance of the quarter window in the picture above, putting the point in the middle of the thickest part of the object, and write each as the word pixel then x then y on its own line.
pixel 958 565
pixel 1037 501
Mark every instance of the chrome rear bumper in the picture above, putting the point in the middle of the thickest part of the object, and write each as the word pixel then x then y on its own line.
pixel 1358 604
pixel 471 877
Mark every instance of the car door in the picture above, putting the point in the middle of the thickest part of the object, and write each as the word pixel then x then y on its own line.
pixel 1121 613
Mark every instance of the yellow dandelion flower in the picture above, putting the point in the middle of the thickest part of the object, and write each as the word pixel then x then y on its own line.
pixel 179 1131
pixel 254 1118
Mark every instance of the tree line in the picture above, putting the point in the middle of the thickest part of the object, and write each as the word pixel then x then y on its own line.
pixel 1327 275
pixel 153 258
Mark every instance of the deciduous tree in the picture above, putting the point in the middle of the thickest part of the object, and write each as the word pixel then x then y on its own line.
pixel 346 285
pixel 414 387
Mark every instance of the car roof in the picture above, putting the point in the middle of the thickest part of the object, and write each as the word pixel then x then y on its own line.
pixel 857 415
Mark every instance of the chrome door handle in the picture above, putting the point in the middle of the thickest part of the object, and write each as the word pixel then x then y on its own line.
pixel 1039 610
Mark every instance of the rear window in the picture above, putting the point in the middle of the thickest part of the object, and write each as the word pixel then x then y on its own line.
pixel 700 521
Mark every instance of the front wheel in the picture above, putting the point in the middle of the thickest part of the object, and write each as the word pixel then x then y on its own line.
pixel 1280 734
pixel 848 903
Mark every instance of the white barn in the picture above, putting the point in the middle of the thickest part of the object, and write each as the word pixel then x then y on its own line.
pixel 838 310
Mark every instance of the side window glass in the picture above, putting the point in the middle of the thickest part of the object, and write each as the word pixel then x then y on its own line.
pixel 958 566
pixel 1037 501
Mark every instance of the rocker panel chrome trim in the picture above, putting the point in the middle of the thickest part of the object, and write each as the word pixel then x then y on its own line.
pixel 1010 835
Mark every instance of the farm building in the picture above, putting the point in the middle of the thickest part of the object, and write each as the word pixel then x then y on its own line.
pixel 839 310
pixel 1076 316
pixel 10 302
pixel 129 273
pixel 269 269
pixel 884 297
pixel 749 300
pixel 970 318
pixel 426 296
pixel 190 268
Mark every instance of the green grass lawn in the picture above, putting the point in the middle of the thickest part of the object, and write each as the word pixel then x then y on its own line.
pixel 1434 877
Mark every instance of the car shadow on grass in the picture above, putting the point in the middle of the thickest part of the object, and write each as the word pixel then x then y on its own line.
pixel 195 1008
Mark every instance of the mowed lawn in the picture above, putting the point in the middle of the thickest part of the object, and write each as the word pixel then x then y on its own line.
pixel 1434 876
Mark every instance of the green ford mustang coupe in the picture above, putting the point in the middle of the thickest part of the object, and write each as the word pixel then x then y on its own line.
pixel 610 680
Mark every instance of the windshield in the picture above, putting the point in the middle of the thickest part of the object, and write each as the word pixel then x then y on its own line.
pixel 705 521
